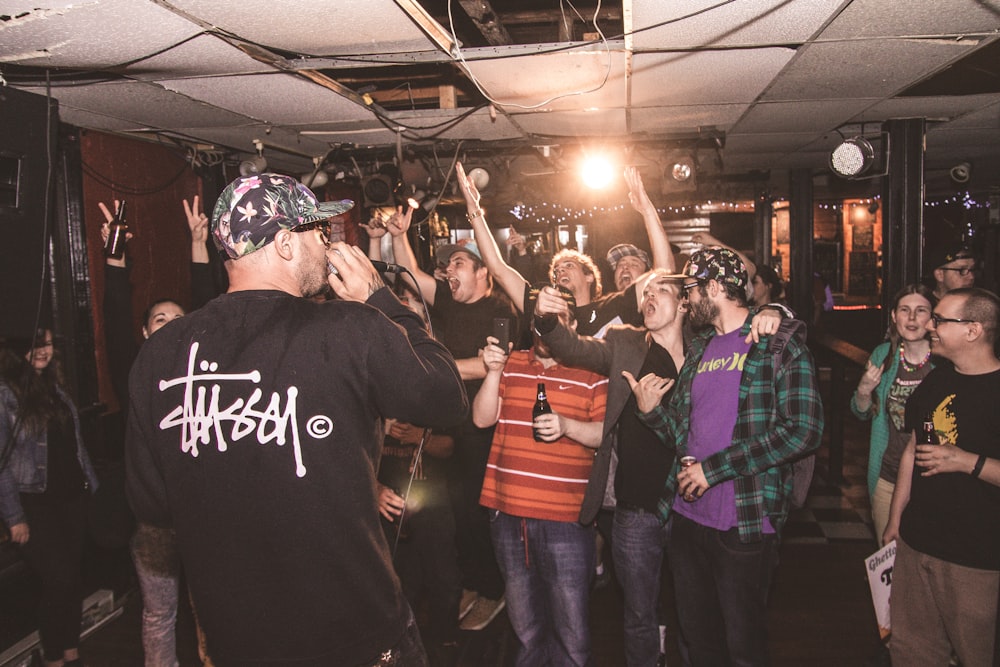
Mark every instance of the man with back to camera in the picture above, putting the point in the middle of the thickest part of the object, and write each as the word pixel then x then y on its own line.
pixel 946 503
pixel 744 421
pixel 252 431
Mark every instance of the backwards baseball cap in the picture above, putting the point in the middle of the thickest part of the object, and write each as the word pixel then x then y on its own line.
pixel 626 250
pixel 721 264
pixel 253 209
pixel 948 254
pixel 445 252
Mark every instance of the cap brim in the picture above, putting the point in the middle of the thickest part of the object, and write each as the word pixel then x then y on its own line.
pixel 329 209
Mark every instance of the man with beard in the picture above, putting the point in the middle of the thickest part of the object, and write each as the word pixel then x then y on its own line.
pixel 745 413
pixel 534 486
pixel 946 503
pixel 463 308
pixel 631 465
pixel 252 432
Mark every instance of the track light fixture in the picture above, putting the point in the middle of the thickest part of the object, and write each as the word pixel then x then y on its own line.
pixel 961 172
pixel 255 165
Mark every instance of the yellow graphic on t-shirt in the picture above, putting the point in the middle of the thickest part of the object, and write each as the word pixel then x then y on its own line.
pixel 945 424
pixel 733 362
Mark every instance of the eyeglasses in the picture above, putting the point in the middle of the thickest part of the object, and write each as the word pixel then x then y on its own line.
pixel 960 270
pixel 938 320
pixel 323 226
pixel 686 289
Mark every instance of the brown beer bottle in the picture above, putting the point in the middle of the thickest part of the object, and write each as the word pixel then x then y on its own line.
pixel 928 436
pixel 542 407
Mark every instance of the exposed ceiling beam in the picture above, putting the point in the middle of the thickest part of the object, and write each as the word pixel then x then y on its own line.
pixel 486 20
pixel 554 15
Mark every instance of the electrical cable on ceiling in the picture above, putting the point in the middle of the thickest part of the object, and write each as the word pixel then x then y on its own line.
pixel 458 55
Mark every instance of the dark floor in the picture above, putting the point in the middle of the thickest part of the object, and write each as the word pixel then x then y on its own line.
pixel 820 610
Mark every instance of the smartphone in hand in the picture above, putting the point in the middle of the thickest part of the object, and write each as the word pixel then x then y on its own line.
pixel 501 331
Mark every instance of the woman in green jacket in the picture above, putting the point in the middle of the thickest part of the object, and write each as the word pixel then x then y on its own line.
pixel 893 371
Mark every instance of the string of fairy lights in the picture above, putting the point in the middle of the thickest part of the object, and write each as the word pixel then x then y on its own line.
pixel 557 214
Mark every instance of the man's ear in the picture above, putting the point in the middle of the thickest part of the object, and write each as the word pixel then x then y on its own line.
pixel 974 332
pixel 284 245
pixel 939 275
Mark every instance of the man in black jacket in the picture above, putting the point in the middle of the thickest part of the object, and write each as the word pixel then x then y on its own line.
pixel 252 431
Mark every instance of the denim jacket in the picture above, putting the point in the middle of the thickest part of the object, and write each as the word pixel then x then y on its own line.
pixel 26 469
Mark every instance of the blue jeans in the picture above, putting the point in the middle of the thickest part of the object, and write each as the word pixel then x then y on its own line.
pixel 721 586
pixel 547 567
pixel 638 544
pixel 157 565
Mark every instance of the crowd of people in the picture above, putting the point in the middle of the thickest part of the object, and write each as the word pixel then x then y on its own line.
pixel 322 456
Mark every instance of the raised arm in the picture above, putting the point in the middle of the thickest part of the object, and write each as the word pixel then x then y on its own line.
pixel 398 225
pixel 509 279
pixel 659 243
pixel 486 406
pixel 198 224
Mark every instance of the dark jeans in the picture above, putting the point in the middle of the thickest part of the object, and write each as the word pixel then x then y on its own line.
pixel 547 566
pixel 476 559
pixel 639 544
pixel 721 586
pixel 55 552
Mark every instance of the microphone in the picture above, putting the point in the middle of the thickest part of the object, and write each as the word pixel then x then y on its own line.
pixel 383 267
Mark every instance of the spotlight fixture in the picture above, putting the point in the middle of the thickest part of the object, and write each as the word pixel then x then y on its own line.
pixel 316 178
pixel 682 170
pixel 681 173
pixel 255 165
pixel 480 177
pixel 378 190
pixel 961 172
pixel 861 157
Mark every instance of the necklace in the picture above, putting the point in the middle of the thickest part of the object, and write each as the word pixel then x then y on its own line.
pixel 907 366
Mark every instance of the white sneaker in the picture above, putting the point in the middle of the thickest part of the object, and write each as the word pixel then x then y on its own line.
pixel 482 613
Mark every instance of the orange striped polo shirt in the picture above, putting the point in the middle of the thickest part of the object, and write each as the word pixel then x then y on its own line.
pixel 541 480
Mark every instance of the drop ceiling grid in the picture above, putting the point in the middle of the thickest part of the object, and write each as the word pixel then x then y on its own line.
pixel 680 118
pixel 809 116
pixel 143 105
pixel 704 78
pixel 95 34
pixel 756 22
pixel 530 80
pixel 205 55
pixel 881 18
pixel 280 98
pixel 315 27
pixel 873 68
pixel 604 122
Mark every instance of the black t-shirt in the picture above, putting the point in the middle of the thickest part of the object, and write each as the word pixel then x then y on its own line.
pixel 595 317
pixel 643 461
pixel 954 516
pixel 463 327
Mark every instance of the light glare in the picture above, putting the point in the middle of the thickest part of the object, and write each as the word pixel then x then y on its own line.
pixel 597 172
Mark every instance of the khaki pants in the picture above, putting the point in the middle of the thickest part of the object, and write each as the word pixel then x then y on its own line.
pixel 881 500
pixel 938 606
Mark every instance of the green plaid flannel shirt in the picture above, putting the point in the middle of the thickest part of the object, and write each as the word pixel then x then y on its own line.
pixel 780 419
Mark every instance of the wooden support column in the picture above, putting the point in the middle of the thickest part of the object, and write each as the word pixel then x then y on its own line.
pixel 800 227
pixel 763 212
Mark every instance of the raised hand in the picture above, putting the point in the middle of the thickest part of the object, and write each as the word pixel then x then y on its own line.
pixel 648 390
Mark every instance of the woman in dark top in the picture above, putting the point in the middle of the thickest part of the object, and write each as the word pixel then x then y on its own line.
pixel 45 474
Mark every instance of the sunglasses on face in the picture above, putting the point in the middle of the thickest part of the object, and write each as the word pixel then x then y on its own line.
pixel 323 226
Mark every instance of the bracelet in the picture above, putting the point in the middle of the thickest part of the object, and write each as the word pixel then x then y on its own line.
pixel 978 468
pixel 472 216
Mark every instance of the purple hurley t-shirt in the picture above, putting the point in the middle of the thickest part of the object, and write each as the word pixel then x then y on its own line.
pixel 715 396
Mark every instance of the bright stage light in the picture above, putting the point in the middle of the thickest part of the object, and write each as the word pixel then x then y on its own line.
pixel 597 171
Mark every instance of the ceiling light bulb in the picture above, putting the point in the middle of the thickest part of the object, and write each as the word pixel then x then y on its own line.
pixel 597 172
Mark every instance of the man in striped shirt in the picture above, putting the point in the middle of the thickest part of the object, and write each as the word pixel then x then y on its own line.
pixel 534 489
